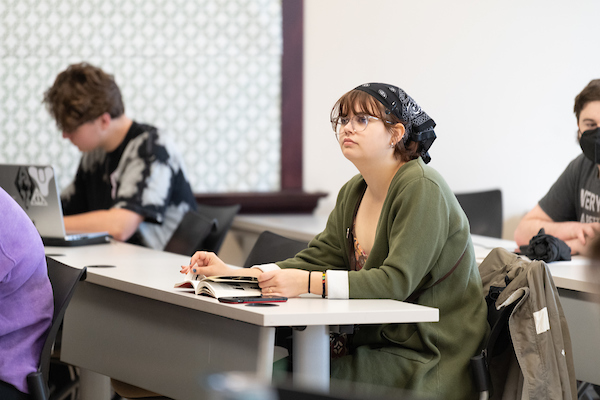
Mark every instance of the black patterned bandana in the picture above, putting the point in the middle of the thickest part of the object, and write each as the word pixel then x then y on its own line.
pixel 419 126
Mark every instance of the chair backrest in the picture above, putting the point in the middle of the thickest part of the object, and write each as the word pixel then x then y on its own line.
pixel 64 279
pixel 484 211
pixel 191 233
pixel 271 247
pixel 224 216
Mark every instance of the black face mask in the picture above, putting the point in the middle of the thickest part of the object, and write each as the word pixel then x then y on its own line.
pixel 590 144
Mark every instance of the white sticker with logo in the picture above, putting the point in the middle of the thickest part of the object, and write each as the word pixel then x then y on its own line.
pixel 42 177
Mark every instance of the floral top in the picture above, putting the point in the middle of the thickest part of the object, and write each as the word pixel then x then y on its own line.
pixel 360 256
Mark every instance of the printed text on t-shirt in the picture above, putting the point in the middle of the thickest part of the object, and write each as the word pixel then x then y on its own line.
pixel 590 202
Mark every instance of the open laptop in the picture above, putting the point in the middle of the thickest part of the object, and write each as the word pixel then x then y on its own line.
pixel 35 189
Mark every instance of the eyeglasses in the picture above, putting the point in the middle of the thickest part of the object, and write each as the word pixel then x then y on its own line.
pixel 358 123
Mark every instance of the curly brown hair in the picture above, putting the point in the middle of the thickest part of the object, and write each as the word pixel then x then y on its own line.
pixel 80 94
pixel 358 102
pixel 590 93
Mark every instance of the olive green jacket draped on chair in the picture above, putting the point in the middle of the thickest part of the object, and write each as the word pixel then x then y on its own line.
pixel 421 234
pixel 541 366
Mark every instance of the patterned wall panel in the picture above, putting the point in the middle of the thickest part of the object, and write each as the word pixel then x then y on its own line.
pixel 207 72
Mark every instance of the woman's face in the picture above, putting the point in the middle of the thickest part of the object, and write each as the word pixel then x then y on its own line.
pixel 371 143
pixel 589 118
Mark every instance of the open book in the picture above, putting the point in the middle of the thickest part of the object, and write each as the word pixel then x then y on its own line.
pixel 221 286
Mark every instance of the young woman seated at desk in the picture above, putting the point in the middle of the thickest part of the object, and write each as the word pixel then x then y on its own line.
pixel 396 232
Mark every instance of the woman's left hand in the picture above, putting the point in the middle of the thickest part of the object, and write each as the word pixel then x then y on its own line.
pixel 284 282
pixel 206 263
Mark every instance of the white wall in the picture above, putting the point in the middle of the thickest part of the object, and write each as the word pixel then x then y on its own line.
pixel 498 77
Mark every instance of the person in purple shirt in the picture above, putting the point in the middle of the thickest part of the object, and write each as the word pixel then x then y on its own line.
pixel 26 299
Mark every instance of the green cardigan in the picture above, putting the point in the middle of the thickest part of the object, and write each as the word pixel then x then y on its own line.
pixel 421 234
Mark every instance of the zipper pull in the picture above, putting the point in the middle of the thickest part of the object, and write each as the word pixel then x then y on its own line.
pixel 347 233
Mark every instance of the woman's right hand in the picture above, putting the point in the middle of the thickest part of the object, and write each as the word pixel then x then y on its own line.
pixel 208 264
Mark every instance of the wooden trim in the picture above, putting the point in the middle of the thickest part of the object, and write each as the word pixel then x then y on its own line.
pixel 291 198
pixel 283 202
pixel 291 94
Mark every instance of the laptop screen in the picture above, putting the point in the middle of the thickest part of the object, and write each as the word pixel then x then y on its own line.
pixel 35 189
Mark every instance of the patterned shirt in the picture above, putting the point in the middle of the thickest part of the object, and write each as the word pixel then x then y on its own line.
pixel 145 174
pixel 360 256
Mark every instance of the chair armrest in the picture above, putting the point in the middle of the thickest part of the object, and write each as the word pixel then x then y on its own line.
pixel 38 388
pixel 481 376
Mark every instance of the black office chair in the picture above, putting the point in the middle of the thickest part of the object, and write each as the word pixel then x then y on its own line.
pixel 191 234
pixel 224 216
pixel 271 247
pixel 496 353
pixel 64 279
pixel 484 211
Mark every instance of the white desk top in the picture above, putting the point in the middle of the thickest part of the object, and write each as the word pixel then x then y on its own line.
pixel 483 245
pixel 577 274
pixel 152 274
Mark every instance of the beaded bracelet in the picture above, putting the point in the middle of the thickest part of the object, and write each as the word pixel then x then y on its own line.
pixel 309 272
pixel 323 295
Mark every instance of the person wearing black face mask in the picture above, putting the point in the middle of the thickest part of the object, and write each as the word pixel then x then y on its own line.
pixel 590 144
pixel 570 210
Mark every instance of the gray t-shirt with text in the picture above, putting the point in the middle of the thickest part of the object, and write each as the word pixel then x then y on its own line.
pixel 575 196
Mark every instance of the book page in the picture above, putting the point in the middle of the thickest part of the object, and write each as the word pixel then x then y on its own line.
pixel 221 286
pixel 190 281
pixel 222 289
pixel 232 279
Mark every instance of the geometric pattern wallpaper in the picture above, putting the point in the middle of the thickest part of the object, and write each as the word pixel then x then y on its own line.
pixel 207 72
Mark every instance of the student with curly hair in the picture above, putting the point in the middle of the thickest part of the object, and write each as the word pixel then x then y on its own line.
pixel 131 180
